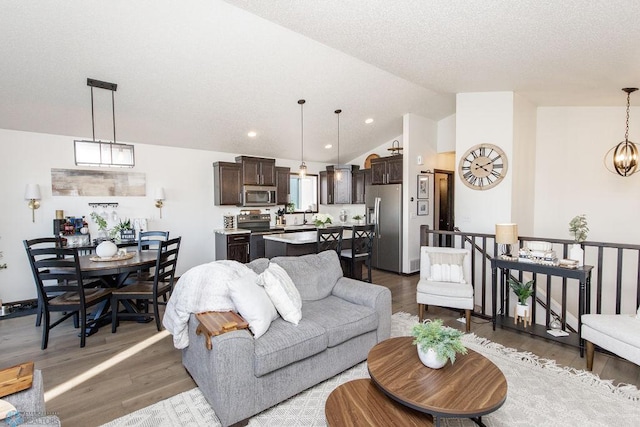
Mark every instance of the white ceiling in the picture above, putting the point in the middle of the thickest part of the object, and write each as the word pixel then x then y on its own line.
pixel 202 73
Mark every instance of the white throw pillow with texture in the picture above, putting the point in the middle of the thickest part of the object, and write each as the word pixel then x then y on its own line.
pixel 253 303
pixel 283 293
pixel 446 273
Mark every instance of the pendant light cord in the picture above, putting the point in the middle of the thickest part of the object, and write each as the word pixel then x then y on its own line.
pixel 93 120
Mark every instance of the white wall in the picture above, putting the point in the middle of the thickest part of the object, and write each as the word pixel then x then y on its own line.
pixel 484 117
pixel 571 179
pixel 419 140
pixel 185 174
pixel 523 165
pixel 447 134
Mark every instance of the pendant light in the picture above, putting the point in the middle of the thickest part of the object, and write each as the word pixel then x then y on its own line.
pixel 625 154
pixel 99 153
pixel 338 173
pixel 302 172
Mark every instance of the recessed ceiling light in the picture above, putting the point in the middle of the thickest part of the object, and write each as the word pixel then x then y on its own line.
pixel 252 134
pixel 369 121
pixel 328 146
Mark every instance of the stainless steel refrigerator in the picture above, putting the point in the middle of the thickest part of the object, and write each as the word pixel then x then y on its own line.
pixel 384 208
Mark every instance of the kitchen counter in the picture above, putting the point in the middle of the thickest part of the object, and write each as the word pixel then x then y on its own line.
pixel 229 231
pixel 294 244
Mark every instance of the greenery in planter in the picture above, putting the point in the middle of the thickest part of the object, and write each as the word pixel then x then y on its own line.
pixel 357 217
pixel 522 290
pixel 100 222
pixel 291 207
pixel 116 231
pixel 444 340
pixel 578 228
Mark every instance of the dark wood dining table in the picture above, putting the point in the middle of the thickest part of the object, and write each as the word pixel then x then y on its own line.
pixel 114 273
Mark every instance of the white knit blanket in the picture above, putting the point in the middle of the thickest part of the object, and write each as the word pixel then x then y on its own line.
pixel 202 288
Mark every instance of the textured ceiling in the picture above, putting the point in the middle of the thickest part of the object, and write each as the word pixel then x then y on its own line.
pixel 203 73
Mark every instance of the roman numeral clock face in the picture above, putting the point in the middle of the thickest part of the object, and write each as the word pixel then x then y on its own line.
pixel 483 166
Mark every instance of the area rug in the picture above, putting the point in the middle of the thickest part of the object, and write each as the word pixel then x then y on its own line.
pixel 540 393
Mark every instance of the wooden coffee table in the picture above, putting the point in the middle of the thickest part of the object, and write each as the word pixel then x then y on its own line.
pixel 360 403
pixel 473 386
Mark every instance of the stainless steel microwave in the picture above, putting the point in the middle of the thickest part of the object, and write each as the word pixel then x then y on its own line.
pixel 258 195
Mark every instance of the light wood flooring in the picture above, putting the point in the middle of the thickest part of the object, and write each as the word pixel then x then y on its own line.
pixel 106 389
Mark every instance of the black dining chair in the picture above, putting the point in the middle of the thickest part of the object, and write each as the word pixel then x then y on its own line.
pixel 361 249
pixel 40 243
pixel 148 240
pixel 161 285
pixel 329 238
pixel 61 289
pixel 151 239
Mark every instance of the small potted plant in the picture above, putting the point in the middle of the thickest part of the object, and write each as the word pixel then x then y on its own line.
pixel 357 218
pixel 322 220
pixel 123 231
pixel 437 343
pixel 523 291
pixel 578 228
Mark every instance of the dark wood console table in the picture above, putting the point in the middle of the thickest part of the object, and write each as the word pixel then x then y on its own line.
pixel 502 318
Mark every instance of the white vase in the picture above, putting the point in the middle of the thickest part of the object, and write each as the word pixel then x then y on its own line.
pixel 106 249
pixel 430 359
pixel 577 253
pixel 522 310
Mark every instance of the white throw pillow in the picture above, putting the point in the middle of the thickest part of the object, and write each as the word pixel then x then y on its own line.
pixel 446 273
pixel 253 303
pixel 283 293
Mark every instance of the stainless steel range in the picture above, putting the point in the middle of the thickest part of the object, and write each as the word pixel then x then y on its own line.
pixel 259 224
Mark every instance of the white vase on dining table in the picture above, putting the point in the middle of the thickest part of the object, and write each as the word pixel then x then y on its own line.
pixel 106 249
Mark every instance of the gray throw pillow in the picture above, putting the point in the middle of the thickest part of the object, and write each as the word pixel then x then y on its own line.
pixel 314 275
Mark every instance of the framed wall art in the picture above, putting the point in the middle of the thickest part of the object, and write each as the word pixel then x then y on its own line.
pixel 423 186
pixel 423 207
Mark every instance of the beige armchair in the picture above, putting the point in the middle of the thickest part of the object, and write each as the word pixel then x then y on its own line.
pixel 445 280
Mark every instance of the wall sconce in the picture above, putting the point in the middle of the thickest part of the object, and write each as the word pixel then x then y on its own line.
pixel 32 194
pixel 160 199
pixel 506 235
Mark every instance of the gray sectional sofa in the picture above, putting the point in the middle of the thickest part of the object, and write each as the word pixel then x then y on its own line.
pixel 342 319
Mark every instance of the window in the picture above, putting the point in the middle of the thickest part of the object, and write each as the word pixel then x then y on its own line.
pixel 304 193
pixel 98 153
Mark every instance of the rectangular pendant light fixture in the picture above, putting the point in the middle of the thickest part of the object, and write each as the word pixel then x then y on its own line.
pixel 103 153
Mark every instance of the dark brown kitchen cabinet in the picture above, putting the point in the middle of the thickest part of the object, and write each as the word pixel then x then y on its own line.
pixel 232 247
pixel 257 170
pixel 282 185
pixel 334 191
pixel 386 170
pixel 358 183
pixel 227 183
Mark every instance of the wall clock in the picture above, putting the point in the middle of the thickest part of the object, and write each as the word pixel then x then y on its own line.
pixel 483 166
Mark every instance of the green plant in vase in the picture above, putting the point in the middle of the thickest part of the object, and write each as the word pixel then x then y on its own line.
pixel 436 343
pixel 579 229
pixel 102 226
pixel 322 220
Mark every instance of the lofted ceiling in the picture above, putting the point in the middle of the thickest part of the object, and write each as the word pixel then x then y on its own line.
pixel 203 73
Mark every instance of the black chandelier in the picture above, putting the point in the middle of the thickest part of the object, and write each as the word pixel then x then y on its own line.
pixel 625 154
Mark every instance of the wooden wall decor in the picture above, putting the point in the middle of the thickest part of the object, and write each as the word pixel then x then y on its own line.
pixel 78 182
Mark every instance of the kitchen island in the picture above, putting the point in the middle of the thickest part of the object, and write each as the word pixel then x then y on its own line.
pixel 295 244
